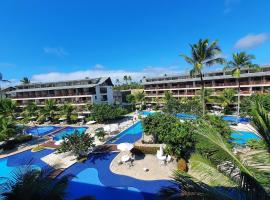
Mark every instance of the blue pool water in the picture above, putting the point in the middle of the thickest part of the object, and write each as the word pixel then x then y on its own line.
pixel 236 119
pixel 68 131
pixel 41 130
pixel 241 137
pixel 186 116
pixel 26 158
pixel 131 135
pixel 146 113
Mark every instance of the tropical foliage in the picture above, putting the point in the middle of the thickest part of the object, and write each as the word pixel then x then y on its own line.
pixel 32 184
pixel 226 99
pixel 7 128
pixel 67 111
pixel 79 144
pixel 240 61
pixel 203 54
pixel 261 121
pixel 247 102
pixel 105 112
pixel 25 80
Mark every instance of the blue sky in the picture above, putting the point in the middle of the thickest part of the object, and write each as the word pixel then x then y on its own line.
pixel 68 39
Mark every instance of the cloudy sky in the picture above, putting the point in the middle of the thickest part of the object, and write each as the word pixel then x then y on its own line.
pixel 69 39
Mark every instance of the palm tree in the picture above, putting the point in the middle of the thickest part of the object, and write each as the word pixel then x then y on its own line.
pixel 240 61
pixel 126 79
pixel 203 54
pixel 261 121
pixel 248 182
pixel 189 188
pixel 25 80
pixel 31 109
pixel 139 98
pixel 117 81
pixel 8 108
pixel 2 80
pixel 7 128
pixel 168 96
pixel 226 98
pixel 67 110
pixel 130 79
pixel 49 109
pixel 31 184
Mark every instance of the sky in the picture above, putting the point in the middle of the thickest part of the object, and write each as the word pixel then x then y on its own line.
pixel 69 39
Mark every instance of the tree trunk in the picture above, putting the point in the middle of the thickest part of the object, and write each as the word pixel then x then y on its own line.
pixel 202 95
pixel 238 99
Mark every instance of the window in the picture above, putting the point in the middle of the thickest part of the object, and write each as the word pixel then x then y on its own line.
pixel 103 90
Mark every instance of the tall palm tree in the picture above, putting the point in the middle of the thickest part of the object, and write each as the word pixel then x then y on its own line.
pixel 8 108
pixel 227 97
pixel 2 80
pixel 31 109
pixel 139 98
pixel 203 54
pixel 126 79
pixel 117 81
pixel 25 80
pixel 130 79
pixel 261 121
pixel 49 109
pixel 31 184
pixel 67 110
pixel 240 61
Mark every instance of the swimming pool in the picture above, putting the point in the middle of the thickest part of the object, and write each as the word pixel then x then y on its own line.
pixel 26 158
pixel 186 116
pixel 241 137
pixel 235 119
pixel 131 135
pixel 41 130
pixel 147 113
pixel 68 131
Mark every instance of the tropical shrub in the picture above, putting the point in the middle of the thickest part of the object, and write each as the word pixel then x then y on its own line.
pixel 247 102
pixel 78 143
pixel 7 128
pixel 105 112
pixel 146 149
pixel 100 133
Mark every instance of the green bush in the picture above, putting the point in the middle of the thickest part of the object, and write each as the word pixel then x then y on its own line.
pixel 105 112
pixel 11 144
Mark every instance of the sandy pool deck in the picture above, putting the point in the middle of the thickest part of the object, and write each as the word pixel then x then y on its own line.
pixel 156 170
pixel 60 160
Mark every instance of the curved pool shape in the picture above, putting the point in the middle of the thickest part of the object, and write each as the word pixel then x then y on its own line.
pixel 147 113
pixel 235 119
pixel 41 130
pixel 131 135
pixel 241 137
pixel 68 131
pixel 26 158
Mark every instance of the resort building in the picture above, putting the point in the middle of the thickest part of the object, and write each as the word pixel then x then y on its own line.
pixel 76 92
pixel 251 81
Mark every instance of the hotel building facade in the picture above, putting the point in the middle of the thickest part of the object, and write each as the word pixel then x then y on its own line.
pixel 76 92
pixel 251 81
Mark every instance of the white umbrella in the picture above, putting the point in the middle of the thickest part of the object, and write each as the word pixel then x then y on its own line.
pixel 62 118
pixel 125 146
pixel 20 117
pixel 91 122
pixel 107 128
pixel 81 117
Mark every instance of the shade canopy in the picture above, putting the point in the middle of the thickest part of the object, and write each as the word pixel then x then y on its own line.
pixel 81 117
pixel 125 146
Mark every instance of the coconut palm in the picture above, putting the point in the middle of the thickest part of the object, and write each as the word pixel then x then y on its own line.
pixel 2 80
pixel 67 110
pixel 167 96
pixel 8 108
pixel 139 98
pixel 226 98
pixel 248 182
pixel 126 79
pixel 31 184
pixel 49 110
pixel 130 79
pixel 30 110
pixel 203 54
pixel 240 61
pixel 25 80
pixel 188 188
pixel 261 121
pixel 7 128
pixel 117 81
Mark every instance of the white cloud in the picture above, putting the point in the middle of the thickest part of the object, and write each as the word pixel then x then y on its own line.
pixel 251 40
pixel 57 51
pixel 98 71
